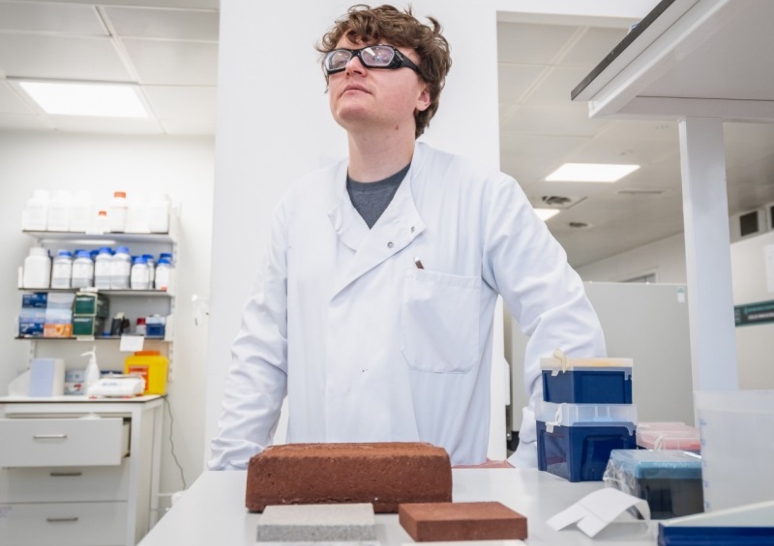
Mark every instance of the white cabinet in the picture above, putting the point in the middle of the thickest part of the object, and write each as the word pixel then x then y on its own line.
pixel 79 472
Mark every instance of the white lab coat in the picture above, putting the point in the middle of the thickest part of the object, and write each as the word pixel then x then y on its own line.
pixel 367 346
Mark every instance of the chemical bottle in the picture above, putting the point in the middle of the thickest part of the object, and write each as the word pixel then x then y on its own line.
pixel 162 274
pixel 62 271
pixel 37 269
pixel 158 220
pixel 138 214
pixel 35 214
pixel 117 212
pixel 151 268
pixel 83 270
pixel 99 224
pixel 80 212
pixel 59 211
pixel 103 265
pixel 92 370
pixel 140 277
pixel 120 269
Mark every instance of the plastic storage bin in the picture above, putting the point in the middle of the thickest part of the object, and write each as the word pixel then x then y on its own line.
pixel 575 441
pixel 669 480
pixel 677 437
pixel 587 380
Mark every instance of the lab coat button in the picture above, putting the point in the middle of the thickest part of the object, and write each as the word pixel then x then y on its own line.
pixel 412 229
pixel 390 245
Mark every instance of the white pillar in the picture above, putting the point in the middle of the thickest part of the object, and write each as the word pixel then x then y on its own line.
pixel 708 254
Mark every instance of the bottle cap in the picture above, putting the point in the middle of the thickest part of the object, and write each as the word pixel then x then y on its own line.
pixel 139 260
pixel 105 250
pixel 119 194
pixel 163 261
pixel 83 254
pixel 122 250
pixel 102 213
pixel 65 253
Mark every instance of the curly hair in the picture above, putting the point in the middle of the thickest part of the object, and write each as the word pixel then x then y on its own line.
pixel 363 24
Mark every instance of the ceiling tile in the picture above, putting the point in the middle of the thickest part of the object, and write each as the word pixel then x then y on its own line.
pixel 531 44
pixel 188 127
pixel 557 86
pixel 106 125
pixel 57 18
pixel 556 120
pixel 515 79
pixel 163 23
pixel 182 103
pixel 592 47
pixel 60 57
pixel 627 151
pixel 641 130
pixel 11 103
pixel 25 122
pixel 173 63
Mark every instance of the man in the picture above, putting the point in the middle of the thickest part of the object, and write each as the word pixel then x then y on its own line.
pixel 374 310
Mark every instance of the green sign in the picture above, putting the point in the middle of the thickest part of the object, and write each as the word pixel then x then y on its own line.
pixel 754 313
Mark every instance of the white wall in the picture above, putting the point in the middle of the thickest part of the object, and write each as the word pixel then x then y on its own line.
pixel 274 125
pixel 665 258
pixel 182 167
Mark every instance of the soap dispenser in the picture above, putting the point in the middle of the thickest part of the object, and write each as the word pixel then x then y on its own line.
pixel 92 370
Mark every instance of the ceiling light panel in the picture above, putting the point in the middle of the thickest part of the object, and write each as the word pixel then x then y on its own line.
pixel 85 99
pixel 590 172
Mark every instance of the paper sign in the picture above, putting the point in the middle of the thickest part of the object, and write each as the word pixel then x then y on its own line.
pixel 131 344
pixel 598 509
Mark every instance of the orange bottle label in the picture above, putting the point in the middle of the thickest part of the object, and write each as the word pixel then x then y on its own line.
pixel 139 370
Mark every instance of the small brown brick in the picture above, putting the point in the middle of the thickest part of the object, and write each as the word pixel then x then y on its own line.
pixel 444 521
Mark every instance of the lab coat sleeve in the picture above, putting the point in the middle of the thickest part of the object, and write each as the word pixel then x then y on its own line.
pixel 529 269
pixel 257 380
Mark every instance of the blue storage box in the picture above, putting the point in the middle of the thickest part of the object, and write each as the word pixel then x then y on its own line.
pixel 587 380
pixel 670 480
pixel 575 441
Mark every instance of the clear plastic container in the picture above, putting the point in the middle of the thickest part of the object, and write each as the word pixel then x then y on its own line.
pixel 80 212
pixel 59 211
pixel 121 269
pixel 83 270
pixel 37 269
pixel 62 272
pixel 35 214
pixel 137 214
pixel 140 277
pixel 117 212
pixel 568 415
pixel 103 265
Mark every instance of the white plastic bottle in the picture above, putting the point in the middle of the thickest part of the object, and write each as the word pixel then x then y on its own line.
pixel 80 212
pixel 162 274
pixel 103 268
pixel 140 275
pixel 92 374
pixel 158 220
pixel 59 211
pixel 117 212
pixel 137 214
pixel 151 268
pixel 62 271
pixel 83 270
pixel 37 268
pixel 120 269
pixel 35 214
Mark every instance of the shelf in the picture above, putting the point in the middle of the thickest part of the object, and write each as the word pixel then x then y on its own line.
pixel 107 292
pixel 83 338
pixel 102 238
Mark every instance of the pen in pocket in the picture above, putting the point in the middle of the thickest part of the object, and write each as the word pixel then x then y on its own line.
pixel 418 263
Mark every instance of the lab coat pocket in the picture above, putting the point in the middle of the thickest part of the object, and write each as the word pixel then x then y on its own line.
pixel 440 321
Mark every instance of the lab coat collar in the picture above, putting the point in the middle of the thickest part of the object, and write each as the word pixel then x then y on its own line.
pixel 398 226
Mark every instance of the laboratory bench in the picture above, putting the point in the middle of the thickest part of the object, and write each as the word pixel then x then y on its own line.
pixel 213 510
pixel 76 471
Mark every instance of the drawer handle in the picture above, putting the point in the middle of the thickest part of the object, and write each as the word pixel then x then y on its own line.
pixel 62 520
pixel 65 474
pixel 50 437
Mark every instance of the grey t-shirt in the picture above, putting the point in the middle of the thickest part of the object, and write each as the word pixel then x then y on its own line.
pixel 371 199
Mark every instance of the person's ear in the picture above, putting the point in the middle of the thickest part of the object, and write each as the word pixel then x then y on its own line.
pixel 423 100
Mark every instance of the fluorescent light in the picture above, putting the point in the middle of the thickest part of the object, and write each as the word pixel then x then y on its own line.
pixel 590 172
pixel 545 214
pixel 86 99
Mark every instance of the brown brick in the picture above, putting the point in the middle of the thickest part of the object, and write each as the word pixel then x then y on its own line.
pixel 444 521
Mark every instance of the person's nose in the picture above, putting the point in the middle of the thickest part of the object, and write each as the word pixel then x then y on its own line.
pixel 355 66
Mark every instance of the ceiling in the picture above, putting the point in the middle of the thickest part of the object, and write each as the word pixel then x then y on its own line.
pixel 540 129
pixel 169 49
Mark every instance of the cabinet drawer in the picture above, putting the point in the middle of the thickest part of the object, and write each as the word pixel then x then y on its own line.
pixel 61 524
pixel 63 442
pixel 63 484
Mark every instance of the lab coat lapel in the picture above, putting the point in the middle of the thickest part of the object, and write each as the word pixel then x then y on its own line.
pixel 398 226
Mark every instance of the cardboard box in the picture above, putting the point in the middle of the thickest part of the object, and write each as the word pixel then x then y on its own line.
pixel 58 329
pixel 90 305
pixel 88 326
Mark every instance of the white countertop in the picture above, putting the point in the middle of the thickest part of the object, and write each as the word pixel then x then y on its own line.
pixel 213 510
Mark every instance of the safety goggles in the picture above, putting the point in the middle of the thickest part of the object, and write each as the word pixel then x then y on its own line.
pixel 375 56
